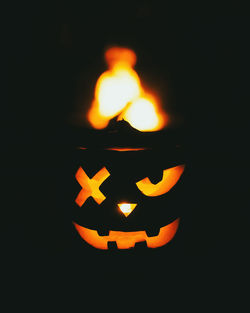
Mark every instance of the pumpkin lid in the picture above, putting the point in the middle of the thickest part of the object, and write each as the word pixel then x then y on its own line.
pixel 122 135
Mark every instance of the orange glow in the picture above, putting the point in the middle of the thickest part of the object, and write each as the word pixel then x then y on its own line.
pixel 127 208
pixel 126 149
pixel 118 93
pixel 127 240
pixel 170 178
pixel 116 55
pixel 90 187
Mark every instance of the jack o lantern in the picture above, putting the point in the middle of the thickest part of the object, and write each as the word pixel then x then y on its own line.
pixel 124 196
pixel 128 175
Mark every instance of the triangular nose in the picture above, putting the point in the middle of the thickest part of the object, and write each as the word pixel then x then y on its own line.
pixel 127 208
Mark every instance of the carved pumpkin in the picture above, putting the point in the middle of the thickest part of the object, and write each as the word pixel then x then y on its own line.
pixel 126 176
pixel 125 197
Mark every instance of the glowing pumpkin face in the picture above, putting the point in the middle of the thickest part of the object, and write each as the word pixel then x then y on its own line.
pixel 127 198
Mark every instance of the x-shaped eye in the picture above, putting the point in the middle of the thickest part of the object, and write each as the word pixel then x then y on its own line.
pixel 90 186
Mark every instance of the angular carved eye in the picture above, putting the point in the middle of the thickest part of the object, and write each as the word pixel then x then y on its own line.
pixel 90 186
pixel 169 179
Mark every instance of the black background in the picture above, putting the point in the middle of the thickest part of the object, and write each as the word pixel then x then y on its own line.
pixel 196 58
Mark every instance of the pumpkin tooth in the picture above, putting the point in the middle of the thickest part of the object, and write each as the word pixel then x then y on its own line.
pixel 151 232
pixel 112 245
pixel 141 244
pixel 103 232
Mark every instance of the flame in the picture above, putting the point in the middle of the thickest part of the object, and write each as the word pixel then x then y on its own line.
pixel 119 93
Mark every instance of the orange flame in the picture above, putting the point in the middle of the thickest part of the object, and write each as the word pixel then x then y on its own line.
pixel 118 93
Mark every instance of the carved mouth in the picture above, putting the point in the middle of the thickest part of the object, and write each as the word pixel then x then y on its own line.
pixel 127 240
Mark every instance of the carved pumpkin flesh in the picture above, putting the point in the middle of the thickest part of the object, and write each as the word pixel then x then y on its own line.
pixel 119 205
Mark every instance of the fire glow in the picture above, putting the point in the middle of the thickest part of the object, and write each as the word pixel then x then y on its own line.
pixel 127 240
pixel 126 208
pixel 119 93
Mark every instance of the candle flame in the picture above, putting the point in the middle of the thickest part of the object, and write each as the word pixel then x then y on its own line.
pixel 119 93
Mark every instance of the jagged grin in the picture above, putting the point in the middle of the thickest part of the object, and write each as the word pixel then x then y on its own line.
pixel 127 240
